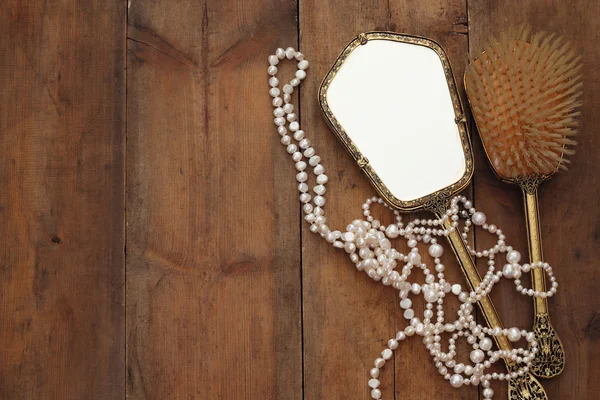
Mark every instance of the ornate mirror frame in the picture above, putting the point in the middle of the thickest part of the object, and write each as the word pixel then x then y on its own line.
pixel 433 199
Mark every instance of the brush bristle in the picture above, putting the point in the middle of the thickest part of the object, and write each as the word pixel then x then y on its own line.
pixel 525 91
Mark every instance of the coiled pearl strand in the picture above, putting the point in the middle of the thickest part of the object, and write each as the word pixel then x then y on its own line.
pixel 367 242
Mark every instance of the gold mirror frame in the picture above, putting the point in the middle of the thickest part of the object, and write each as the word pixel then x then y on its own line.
pixel 361 160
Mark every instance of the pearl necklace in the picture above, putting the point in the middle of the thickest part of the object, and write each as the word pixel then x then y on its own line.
pixel 367 241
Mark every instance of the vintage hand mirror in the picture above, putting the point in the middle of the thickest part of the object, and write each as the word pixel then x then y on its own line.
pixel 392 101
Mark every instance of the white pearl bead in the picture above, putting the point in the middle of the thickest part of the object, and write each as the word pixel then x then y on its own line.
pixel 414 258
pixel 393 344
pixel 415 288
pixel 456 289
pixel 431 296
pixel 379 363
pixel 436 250
pixel 508 271
pixel 322 179
pixel 303 65
pixel 272 70
pixel 514 334
pixel 314 160
pixel 406 303
pixel 387 354
pixel 477 356
pixel 319 169
pixel 273 60
pixel 290 53
pixel 300 74
pixel 319 189
pixel 309 152
pixel 274 92
pixel 488 393
pixel 513 256
pixel 485 344
pixel 374 372
pixel 376 394
pixel 273 81
pixel 478 218
pixel 302 177
pixel 373 383
pixel 456 380
pixel 288 108
pixel 304 143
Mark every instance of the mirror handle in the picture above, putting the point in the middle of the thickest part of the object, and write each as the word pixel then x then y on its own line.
pixel 474 279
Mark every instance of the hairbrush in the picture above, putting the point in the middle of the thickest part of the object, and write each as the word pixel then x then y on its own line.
pixel 525 93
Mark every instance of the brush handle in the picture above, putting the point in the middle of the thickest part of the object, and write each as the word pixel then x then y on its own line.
pixel 550 360
pixel 525 387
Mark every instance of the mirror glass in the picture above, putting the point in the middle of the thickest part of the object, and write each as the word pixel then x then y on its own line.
pixel 393 101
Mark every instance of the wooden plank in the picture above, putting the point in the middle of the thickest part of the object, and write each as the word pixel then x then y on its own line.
pixel 348 318
pixel 567 202
pixel 62 130
pixel 213 294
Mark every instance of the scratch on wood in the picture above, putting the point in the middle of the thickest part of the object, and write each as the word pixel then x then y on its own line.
pixel 149 38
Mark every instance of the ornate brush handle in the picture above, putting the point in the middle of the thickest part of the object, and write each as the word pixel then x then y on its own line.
pixel 550 359
pixel 525 387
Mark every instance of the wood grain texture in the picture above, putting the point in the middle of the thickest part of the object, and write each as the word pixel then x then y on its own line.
pixel 213 265
pixel 568 202
pixel 227 293
pixel 62 135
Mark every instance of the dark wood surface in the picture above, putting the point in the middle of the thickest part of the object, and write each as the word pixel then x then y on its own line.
pixel 153 246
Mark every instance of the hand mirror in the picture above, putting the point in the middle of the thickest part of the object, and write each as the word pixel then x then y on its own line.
pixel 392 101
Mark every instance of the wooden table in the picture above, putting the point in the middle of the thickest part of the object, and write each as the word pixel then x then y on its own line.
pixel 153 246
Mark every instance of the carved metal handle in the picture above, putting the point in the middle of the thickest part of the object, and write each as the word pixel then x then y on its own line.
pixel 550 359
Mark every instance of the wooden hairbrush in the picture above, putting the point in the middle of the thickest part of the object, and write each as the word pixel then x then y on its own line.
pixel 525 94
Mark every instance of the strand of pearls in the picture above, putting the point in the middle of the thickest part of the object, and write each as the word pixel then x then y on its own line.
pixel 367 242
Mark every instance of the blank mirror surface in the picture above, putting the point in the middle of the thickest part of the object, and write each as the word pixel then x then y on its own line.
pixel 393 101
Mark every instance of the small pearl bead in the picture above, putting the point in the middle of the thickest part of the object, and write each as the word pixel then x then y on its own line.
pixel 300 74
pixel 477 356
pixel 374 372
pixel 303 65
pixel 322 179
pixel 456 380
pixel 513 256
pixel 392 231
pixel 406 303
pixel 273 60
pixel 485 344
pixel 478 218
pixel 514 334
pixel 436 250
pixel 508 271
pixel 456 289
pixel 290 53
pixel 376 394
pixel 374 383
pixel 387 354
